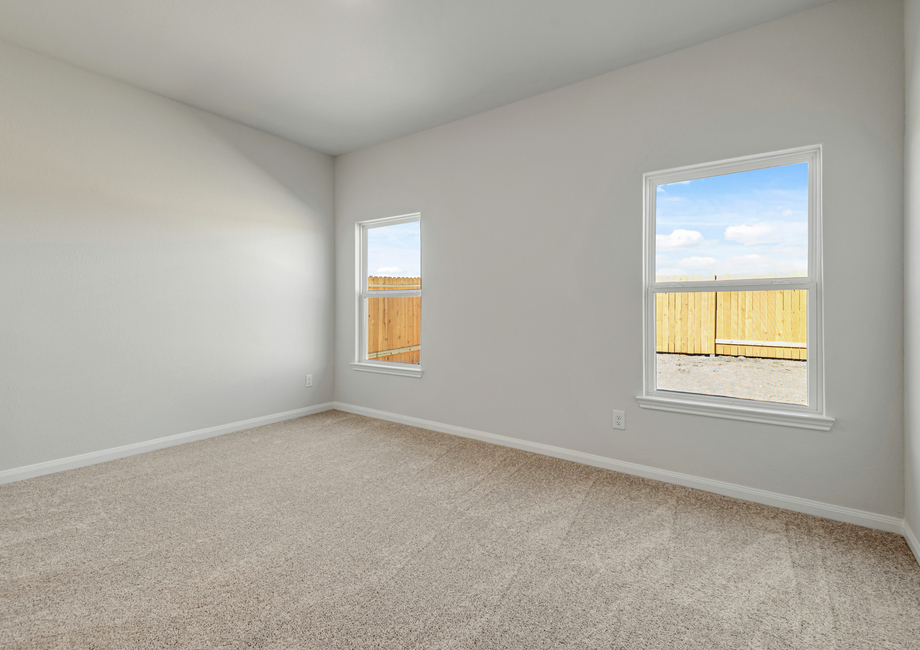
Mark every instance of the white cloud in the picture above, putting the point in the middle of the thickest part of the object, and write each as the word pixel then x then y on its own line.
pixel 699 262
pixel 666 272
pixel 388 270
pixel 678 240
pixel 746 261
pixel 661 189
pixel 768 232
pixel 765 264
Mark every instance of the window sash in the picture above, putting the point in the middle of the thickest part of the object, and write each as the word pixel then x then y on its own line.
pixel 651 384
pixel 810 155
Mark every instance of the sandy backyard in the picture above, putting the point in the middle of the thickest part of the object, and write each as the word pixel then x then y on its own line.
pixel 770 380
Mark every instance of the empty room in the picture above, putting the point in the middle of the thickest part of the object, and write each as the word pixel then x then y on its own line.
pixel 423 324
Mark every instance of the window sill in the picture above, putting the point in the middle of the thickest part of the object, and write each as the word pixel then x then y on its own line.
pixel 409 371
pixel 733 412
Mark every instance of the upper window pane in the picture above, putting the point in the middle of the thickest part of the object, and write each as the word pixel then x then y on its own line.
pixel 395 251
pixel 745 225
pixel 746 344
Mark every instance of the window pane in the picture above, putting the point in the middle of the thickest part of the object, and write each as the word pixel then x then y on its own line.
pixel 394 329
pixel 395 251
pixel 750 224
pixel 745 344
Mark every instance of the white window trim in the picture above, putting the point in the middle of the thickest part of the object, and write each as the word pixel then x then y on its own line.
pixel 361 362
pixel 812 416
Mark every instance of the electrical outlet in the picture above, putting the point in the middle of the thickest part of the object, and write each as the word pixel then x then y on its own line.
pixel 309 381
pixel 619 419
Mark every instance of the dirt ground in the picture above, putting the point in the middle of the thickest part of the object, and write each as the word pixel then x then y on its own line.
pixel 768 380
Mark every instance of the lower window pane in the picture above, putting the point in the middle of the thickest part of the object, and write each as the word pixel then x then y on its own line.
pixel 394 329
pixel 744 344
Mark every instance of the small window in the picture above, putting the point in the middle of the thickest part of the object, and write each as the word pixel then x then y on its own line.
pixel 389 296
pixel 733 290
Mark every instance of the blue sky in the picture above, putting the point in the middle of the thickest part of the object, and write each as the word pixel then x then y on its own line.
pixel 395 250
pixel 748 224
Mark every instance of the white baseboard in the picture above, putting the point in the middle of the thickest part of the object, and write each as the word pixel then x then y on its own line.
pixel 72 462
pixel 796 504
pixel 912 541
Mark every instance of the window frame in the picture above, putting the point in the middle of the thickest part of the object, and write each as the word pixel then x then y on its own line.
pixel 812 416
pixel 362 294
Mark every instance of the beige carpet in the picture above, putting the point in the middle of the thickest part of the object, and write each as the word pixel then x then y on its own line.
pixel 340 531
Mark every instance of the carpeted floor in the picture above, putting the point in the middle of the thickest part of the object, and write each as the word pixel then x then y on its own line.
pixel 340 531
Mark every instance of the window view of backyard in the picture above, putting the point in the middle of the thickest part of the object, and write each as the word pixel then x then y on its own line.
pixel 744 344
pixel 748 342
pixel 394 264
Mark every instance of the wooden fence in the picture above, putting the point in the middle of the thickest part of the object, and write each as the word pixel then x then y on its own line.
pixel 394 324
pixel 769 324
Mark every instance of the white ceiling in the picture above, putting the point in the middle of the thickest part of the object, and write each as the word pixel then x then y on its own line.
pixel 339 75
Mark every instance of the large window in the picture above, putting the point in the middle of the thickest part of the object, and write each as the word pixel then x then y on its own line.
pixel 732 299
pixel 389 296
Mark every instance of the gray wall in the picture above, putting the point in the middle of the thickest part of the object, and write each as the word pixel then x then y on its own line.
pixel 162 270
pixel 912 271
pixel 532 233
